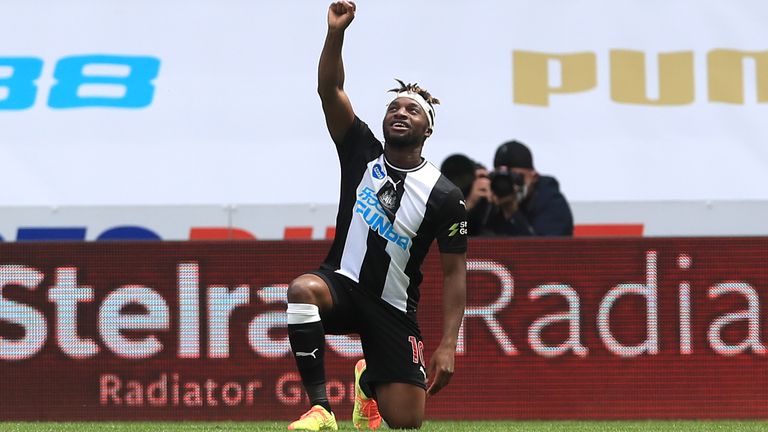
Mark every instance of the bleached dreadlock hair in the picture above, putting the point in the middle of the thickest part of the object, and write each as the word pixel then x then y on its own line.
pixel 414 88
pixel 420 95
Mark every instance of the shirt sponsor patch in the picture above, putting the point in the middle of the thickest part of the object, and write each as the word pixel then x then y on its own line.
pixel 458 228
pixel 378 172
pixel 372 212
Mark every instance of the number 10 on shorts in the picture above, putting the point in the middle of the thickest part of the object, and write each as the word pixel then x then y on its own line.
pixel 418 350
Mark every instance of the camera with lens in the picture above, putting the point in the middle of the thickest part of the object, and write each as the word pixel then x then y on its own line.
pixel 505 182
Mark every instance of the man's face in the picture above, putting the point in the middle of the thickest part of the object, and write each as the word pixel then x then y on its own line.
pixel 405 123
pixel 530 177
pixel 528 174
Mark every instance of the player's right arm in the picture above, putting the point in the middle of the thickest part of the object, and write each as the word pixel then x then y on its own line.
pixel 339 115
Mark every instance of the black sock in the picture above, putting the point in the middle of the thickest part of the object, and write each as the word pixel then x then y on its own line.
pixel 317 395
pixel 365 386
pixel 308 345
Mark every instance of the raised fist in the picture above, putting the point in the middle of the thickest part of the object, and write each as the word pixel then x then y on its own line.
pixel 340 14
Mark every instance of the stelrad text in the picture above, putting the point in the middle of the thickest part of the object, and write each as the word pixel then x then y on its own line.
pixel 132 319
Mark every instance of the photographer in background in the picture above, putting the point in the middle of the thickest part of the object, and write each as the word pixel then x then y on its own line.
pixel 470 177
pixel 522 202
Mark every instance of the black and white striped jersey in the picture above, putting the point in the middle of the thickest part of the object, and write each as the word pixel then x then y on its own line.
pixel 388 218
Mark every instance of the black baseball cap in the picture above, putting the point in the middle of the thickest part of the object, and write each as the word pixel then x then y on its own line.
pixel 513 154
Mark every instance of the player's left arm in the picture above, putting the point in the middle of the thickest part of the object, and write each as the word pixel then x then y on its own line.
pixel 452 240
pixel 441 363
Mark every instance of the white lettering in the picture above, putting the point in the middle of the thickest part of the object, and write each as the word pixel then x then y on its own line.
pixel 647 290
pixel 189 310
pixel 686 346
pixel 488 312
pixel 27 317
pixel 751 314
pixel 221 303
pixel 348 346
pixel 112 321
pixel 573 343
pixel 66 294
pixel 260 329
pixel 259 337
pixel 684 262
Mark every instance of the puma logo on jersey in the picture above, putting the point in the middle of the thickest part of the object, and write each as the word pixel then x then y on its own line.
pixel 307 354
pixel 463 203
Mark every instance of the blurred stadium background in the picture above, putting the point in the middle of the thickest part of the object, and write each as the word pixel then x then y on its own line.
pixel 166 171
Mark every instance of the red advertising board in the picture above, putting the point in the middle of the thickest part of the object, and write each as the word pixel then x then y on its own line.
pixel 554 329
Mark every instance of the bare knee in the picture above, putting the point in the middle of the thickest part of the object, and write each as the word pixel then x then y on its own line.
pixel 299 291
pixel 309 289
pixel 404 422
pixel 401 405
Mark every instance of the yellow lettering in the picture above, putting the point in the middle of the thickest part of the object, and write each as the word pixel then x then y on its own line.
pixel 531 84
pixel 628 80
pixel 726 75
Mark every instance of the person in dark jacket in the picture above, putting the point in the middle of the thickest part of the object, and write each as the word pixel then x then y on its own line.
pixel 524 203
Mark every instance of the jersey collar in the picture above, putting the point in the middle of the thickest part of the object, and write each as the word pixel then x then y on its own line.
pixel 416 168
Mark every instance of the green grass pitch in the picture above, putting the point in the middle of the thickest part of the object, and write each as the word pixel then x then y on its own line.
pixel 528 426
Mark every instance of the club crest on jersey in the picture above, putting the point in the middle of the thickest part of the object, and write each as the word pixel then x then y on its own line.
pixel 388 199
pixel 378 172
pixel 373 213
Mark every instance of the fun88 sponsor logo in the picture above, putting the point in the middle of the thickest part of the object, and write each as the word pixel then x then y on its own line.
pixel 370 209
pixel 85 81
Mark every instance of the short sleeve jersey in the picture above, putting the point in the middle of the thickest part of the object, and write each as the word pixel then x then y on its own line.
pixel 388 218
